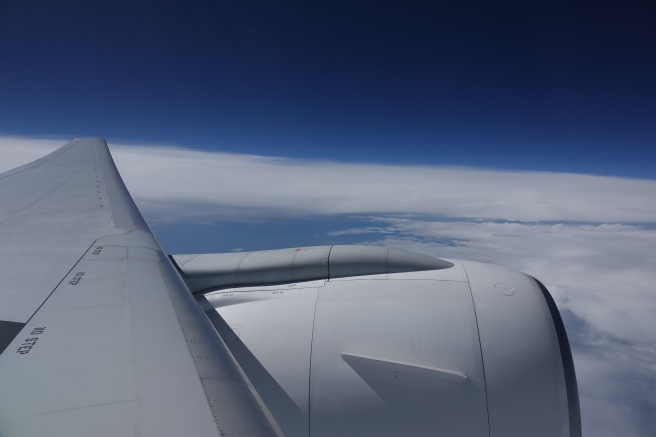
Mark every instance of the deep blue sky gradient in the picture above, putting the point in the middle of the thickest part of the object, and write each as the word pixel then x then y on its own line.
pixel 540 85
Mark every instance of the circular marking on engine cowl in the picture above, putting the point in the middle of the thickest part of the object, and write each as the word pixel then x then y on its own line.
pixel 505 289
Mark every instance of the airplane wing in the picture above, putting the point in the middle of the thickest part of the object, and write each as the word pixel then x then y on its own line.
pixel 99 335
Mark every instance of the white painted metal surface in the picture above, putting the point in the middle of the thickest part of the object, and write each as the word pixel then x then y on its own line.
pixel 112 342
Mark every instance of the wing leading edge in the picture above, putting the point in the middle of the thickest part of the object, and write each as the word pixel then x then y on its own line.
pixel 100 334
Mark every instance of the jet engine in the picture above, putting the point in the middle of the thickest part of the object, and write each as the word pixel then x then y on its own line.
pixel 361 340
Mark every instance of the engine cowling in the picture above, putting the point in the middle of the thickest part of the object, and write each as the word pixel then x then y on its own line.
pixel 468 349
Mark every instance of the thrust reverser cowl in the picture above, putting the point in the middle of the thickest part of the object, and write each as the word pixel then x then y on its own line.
pixel 529 375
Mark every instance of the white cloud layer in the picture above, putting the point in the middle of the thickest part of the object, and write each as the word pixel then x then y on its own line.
pixel 236 184
pixel 222 184
pixel 602 274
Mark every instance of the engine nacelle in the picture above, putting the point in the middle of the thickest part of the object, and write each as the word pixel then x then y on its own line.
pixel 467 350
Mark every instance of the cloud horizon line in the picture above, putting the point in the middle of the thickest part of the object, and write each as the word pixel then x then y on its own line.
pixel 189 185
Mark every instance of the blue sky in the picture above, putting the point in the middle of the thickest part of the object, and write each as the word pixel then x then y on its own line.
pixel 517 133
pixel 557 86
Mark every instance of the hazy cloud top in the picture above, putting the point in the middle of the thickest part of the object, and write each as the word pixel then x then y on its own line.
pixel 286 186
pixel 221 184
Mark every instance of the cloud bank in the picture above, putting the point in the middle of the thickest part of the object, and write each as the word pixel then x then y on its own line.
pixel 238 184
pixel 222 184
pixel 590 239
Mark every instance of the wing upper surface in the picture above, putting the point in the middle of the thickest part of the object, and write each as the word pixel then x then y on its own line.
pixel 109 339
pixel 51 212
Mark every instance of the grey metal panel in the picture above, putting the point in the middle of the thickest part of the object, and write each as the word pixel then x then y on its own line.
pixel 204 272
pixel 119 344
pixel 526 389
pixel 254 268
pixel 399 261
pixel 371 260
pixel 311 263
pixel 357 260
pixel 455 273
pixel 207 272
pixel 201 272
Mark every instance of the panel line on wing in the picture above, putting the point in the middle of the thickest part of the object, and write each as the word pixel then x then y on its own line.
pixel 44 196
pixel 58 285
